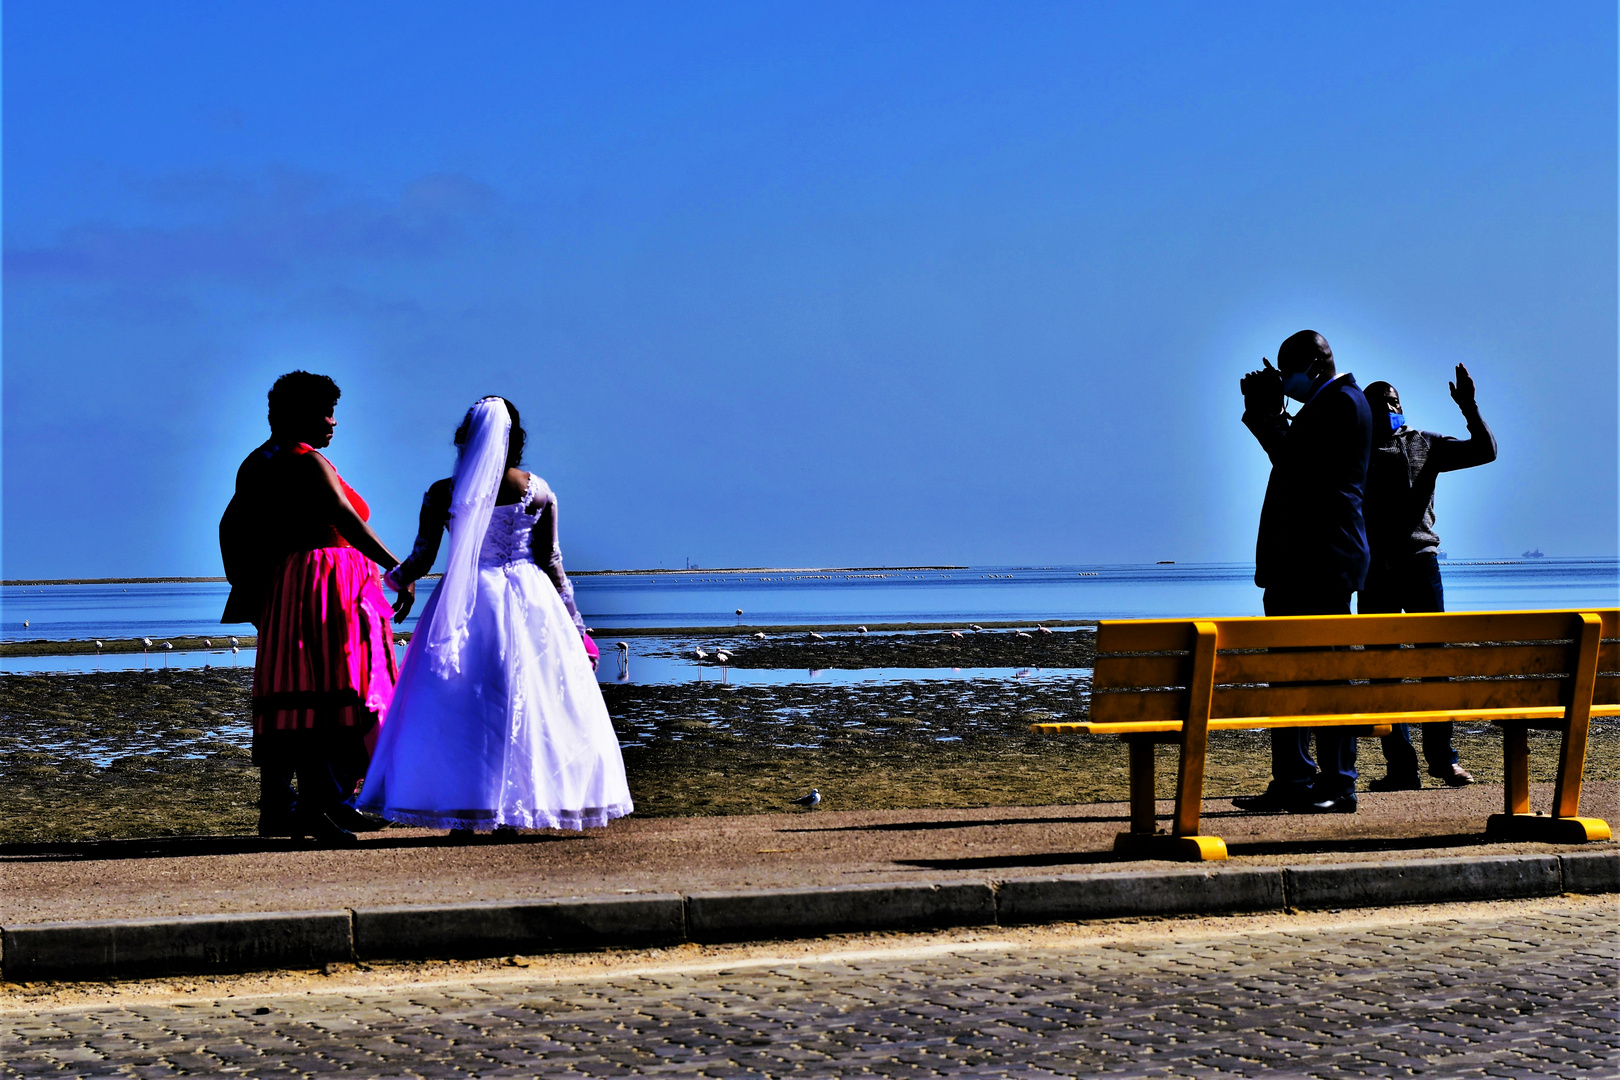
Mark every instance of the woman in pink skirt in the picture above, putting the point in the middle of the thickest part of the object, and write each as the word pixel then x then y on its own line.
pixel 325 670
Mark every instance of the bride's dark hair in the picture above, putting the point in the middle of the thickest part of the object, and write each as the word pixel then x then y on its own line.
pixel 514 441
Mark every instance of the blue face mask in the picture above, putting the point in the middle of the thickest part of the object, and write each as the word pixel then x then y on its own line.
pixel 1396 421
pixel 1298 385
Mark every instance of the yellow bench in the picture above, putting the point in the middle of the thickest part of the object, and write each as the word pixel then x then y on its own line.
pixel 1175 680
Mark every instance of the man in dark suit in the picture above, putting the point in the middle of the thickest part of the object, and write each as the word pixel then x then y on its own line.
pixel 1312 549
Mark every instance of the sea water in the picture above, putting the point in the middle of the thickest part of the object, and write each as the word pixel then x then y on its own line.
pixel 793 598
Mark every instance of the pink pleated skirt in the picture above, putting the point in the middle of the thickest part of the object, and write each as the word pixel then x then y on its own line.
pixel 325 669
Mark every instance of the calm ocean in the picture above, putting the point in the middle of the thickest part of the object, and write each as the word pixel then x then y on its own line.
pixel 797 597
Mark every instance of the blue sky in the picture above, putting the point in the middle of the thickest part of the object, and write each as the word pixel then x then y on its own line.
pixel 808 284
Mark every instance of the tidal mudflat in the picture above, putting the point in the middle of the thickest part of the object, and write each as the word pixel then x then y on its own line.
pixel 156 753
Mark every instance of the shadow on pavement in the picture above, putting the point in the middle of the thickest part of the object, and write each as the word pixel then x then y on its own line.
pixel 963 823
pixel 171 847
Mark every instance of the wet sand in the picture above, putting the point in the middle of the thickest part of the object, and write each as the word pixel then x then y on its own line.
pixel 165 753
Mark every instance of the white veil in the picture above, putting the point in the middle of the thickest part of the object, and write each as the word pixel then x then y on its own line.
pixel 477 480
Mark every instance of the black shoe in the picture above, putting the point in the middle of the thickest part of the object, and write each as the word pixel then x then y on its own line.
pixel 276 825
pixel 1270 801
pixel 321 829
pixel 1396 783
pixel 345 816
pixel 1343 804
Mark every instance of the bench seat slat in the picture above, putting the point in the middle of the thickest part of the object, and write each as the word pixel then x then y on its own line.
pixel 1132 672
pixel 1167 635
pixel 1552 716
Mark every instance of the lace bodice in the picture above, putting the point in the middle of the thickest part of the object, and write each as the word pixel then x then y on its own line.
pixel 510 541
pixel 511 528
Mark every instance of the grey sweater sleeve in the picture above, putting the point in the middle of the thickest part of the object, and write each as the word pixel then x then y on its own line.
pixel 1449 454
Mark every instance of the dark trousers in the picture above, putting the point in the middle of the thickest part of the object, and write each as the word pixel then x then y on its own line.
pixel 1293 773
pixel 1409 584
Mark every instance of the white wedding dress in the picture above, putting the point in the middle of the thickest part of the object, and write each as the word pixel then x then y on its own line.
pixel 519 736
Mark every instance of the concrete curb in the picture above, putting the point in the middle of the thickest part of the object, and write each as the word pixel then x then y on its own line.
pixel 464 931
pixel 1424 881
pixel 131 948
pixel 775 913
pixel 1103 896
pixel 126 948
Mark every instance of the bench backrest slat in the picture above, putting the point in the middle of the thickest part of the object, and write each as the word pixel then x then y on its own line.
pixel 1170 635
pixel 1231 703
pixel 1125 672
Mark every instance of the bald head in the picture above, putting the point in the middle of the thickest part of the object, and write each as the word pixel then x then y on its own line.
pixel 1306 351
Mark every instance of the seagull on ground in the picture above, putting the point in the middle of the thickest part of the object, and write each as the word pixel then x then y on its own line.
pixel 809 800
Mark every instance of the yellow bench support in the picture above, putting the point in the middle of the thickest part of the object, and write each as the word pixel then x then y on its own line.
pixel 1160 680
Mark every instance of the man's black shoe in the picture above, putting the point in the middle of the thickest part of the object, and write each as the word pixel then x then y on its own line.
pixel 277 825
pixel 345 816
pixel 1344 804
pixel 1396 783
pixel 321 829
pixel 1269 802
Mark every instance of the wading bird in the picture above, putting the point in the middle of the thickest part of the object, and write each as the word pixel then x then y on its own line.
pixel 1043 629
pixel 956 634
pixel 697 651
pixel 760 636
pixel 816 637
pixel 739 616
pixel 860 629
pixel 977 627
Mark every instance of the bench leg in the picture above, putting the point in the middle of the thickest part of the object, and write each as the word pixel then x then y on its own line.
pixel 1565 826
pixel 1144 813
pixel 1515 769
pixel 1182 844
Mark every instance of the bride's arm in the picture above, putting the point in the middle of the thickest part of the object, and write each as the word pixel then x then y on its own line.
pixel 543 542
pixel 429 531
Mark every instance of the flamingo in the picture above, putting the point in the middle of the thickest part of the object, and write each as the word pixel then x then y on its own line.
pixel 760 636
pixel 723 658
pixel 234 650
pixel 739 616
pixel 816 636
pixel 860 629
pixel 167 645
pixel 235 643
pixel 697 651
pixel 146 643
pixel 956 634
pixel 1020 633
pixel 1043 629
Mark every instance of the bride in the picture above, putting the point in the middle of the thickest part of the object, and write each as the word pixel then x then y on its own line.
pixel 497 719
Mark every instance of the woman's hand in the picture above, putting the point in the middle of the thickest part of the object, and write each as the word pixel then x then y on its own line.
pixel 402 606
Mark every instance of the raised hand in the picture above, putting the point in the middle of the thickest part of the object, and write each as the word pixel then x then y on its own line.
pixel 1462 391
pixel 1262 389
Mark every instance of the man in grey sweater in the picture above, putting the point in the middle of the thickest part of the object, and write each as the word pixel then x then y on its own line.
pixel 1405 571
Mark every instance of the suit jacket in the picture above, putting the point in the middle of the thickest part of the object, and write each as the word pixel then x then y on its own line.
pixel 1312 535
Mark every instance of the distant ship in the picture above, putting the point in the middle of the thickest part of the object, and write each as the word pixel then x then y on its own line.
pixel 1536 554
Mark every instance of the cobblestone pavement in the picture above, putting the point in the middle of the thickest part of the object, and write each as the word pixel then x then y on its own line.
pixel 1527 990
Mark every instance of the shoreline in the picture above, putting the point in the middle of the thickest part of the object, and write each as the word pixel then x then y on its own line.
pixel 25 582
pixel 195 643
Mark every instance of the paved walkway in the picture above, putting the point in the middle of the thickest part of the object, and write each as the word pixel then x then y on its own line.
pixel 1526 988
pixel 196 876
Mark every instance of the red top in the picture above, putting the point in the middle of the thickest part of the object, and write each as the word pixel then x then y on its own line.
pixel 325 535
